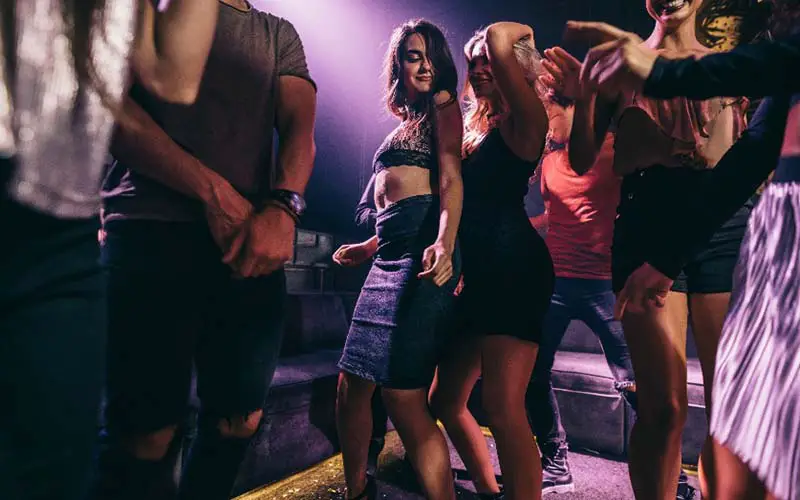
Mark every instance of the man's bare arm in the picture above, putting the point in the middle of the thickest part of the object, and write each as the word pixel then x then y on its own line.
pixel 296 113
pixel 140 144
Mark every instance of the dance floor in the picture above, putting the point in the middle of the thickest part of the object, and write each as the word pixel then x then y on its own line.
pixel 596 478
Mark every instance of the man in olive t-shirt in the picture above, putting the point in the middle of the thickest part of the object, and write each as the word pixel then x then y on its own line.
pixel 198 220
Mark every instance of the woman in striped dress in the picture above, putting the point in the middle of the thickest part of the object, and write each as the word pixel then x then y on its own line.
pixel 755 422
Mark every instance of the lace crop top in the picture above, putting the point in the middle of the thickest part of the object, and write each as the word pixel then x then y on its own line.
pixel 408 144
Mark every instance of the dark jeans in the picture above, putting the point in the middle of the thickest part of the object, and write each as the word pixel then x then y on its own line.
pixel 52 343
pixel 592 302
pixel 174 306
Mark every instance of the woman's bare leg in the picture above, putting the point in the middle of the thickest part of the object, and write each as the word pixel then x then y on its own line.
pixel 708 313
pixel 507 364
pixel 354 425
pixel 735 481
pixel 455 378
pixel 657 342
pixel 423 441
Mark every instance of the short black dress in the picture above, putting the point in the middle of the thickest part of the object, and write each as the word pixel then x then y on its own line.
pixel 508 272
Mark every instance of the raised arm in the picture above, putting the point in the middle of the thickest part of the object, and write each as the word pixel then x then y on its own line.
pixel 590 116
pixel 620 61
pixel 529 116
pixel 737 176
pixel 172 45
pixel 593 114
pixel 765 68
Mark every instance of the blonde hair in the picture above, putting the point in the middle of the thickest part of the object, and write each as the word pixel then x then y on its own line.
pixel 477 120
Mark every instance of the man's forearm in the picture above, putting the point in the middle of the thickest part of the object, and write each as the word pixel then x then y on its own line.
pixel 765 68
pixel 140 144
pixel 295 162
pixel 296 113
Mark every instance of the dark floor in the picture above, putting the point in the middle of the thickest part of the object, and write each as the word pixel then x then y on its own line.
pixel 596 478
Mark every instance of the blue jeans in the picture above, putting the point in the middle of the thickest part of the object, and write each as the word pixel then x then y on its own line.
pixel 592 302
pixel 52 344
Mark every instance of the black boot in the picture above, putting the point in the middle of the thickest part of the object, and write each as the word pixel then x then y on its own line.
pixel 375 448
pixel 556 477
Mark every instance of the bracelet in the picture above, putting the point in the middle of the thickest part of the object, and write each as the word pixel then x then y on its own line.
pixel 561 100
pixel 285 208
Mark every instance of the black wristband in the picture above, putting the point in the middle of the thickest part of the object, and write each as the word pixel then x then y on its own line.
pixel 290 199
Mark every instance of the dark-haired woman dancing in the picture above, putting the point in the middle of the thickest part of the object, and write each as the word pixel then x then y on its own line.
pixel 401 316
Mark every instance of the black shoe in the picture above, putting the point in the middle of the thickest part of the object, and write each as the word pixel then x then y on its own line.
pixel 685 490
pixel 375 449
pixel 492 496
pixel 370 492
pixel 556 477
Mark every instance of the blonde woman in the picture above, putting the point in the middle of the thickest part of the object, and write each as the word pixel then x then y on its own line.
pixel 508 273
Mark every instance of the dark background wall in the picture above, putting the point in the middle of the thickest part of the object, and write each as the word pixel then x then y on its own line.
pixel 345 41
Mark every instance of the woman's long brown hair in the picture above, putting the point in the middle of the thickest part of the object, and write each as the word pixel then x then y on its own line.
pixel 79 17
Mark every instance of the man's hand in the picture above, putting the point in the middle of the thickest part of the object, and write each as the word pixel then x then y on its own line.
pixel 264 245
pixel 619 60
pixel 645 289
pixel 226 213
pixel 437 264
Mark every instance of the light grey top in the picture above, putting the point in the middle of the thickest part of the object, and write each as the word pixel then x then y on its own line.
pixel 56 130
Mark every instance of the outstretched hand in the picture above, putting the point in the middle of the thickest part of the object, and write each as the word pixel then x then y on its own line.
pixel 352 255
pixel 619 60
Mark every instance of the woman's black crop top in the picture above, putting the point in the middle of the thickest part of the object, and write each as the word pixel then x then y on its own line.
pixel 411 143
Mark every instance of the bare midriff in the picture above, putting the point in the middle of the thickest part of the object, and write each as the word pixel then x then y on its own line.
pixel 398 183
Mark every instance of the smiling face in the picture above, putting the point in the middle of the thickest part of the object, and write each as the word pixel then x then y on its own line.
pixel 481 78
pixel 672 13
pixel 418 71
